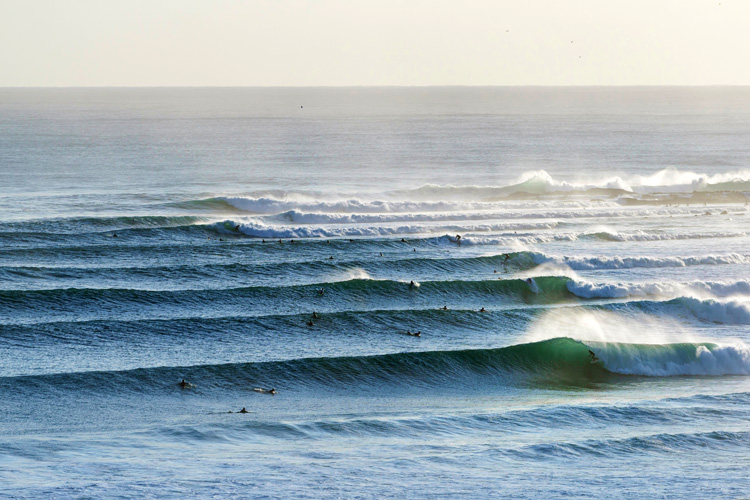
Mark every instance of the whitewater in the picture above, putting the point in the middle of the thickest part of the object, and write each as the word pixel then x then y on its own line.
pixel 455 292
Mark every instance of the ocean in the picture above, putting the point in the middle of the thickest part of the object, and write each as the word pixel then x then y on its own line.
pixel 454 292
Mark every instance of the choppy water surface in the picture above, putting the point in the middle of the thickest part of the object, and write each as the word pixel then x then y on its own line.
pixel 588 334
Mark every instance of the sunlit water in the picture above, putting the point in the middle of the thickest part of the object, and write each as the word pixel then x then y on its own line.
pixel 150 236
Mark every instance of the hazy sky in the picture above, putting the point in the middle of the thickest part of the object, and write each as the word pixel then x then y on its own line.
pixel 383 42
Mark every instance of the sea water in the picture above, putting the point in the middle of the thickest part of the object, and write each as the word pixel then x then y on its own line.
pixel 153 235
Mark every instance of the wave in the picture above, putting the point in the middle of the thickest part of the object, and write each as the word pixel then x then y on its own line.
pixel 662 444
pixel 275 206
pixel 532 212
pixel 731 312
pixel 78 225
pixel 446 198
pixel 541 182
pixel 550 362
pixel 261 230
pixel 645 236
pixel 590 290
pixel 85 300
pixel 594 263
pixel 663 360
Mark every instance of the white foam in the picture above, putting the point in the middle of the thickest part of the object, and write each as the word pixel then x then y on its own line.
pixel 728 312
pixel 675 359
pixel 262 230
pixel 615 262
pixel 696 289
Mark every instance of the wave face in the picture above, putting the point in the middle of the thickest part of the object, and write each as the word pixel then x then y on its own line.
pixel 553 362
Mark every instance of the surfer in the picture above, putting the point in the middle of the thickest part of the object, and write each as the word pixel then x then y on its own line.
pixel 403 240
pixel 315 315
pixel 415 334
pixel 265 391
pixel 114 235
pixel 412 284
pixel 594 359
pixel 321 291
pixel 237 228
pixel 483 310
pixel 507 257
pixel 330 258
pixel 445 308
pixel 310 323
pixel 458 239
pixel 183 384
pixel 243 410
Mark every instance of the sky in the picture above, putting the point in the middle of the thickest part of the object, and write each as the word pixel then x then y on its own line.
pixel 364 42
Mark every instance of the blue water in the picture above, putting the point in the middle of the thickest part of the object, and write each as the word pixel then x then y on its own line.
pixel 588 335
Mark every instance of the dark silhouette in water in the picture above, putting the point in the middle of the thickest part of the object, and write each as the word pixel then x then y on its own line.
pixel 594 359
pixel 183 384
pixel 315 315
pixel 415 334
pixel 243 410
pixel 265 391
pixel 445 308
pixel 483 310
pixel 310 323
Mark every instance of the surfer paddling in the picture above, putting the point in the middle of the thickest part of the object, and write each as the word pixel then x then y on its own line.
pixel 243 410
pixel 265 391
pixel 415 334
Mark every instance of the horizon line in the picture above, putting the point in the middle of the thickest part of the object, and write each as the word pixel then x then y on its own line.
pixel 50 87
